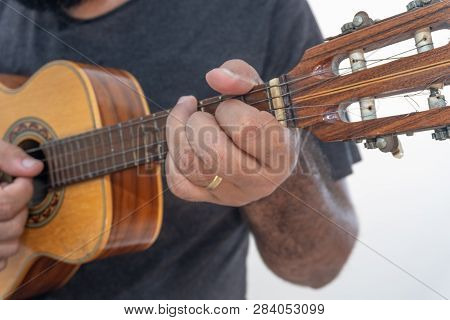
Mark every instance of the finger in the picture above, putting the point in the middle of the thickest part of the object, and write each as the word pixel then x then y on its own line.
pixel 256 132
pixel 9 248
pixel 181 187
pixel 13 229
pixel 233 77
pixel 217 153
pixel 179 148
pixel 15 197
pixel 15 162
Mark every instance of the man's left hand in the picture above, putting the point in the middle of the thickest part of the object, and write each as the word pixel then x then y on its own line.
pixel 247 150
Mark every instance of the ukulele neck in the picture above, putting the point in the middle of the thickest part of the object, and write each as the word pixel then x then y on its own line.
pixel 142 141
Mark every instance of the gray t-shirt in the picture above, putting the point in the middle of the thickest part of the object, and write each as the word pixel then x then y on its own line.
pixel 169 46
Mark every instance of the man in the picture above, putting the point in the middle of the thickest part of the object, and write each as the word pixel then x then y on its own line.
pixel 304 224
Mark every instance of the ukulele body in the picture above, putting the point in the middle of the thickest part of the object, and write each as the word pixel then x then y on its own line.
pixel 114 214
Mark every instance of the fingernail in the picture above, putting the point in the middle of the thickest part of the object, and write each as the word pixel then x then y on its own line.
pixel 230 73
pixel 28 163
pixel 237 76
pixel 183 100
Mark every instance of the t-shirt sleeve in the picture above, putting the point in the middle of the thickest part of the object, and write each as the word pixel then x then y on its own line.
pixel 293 30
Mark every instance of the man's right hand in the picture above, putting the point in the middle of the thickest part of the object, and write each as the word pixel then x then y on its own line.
pixel 14 197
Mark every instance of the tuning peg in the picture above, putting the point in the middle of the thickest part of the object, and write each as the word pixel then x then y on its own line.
pixel 391 145
pixel 424 43
pixel 442 134
pixel 418 4
pixel 361 20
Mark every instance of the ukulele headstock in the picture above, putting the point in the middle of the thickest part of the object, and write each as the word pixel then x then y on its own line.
pixel 321 91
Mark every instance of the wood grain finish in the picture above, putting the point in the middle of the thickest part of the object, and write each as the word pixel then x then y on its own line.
pixel 98 218
pixel 137 192
pixel 12 81
pixel 382 34
pixel 44 275
pixel 320 94
pixel 50 273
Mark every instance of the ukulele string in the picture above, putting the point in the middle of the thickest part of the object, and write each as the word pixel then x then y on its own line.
pixel 161 154
pixel 298 105
pixel 149 158
pixel 113 156
pixel 164 141
pixel 164 114
pixel 160 157
pixel 159 115
pixel 293 107
pixel 137 149
pixel 393 57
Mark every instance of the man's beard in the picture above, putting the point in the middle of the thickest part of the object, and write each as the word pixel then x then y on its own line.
pixel 43 5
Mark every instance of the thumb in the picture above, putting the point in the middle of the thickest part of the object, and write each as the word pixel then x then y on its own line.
pixel 234 77
pixel 15 162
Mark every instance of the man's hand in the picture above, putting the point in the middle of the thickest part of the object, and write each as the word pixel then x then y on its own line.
pixel 247 148
pixel 14 197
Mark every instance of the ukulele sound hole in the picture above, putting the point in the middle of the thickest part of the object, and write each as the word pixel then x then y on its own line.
pixel 41 182
pixel 29 134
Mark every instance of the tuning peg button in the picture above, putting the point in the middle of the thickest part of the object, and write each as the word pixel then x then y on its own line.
pixel 441 134
pixel 391 145
pixel 361 20
pixel 418 4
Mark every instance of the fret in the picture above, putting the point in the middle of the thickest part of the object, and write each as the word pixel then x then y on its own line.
pixel 105 152
pixel 94 152
pixel 146 145
pixel 122 144
pixel 112 149
pixel 66 165
pixel 161 150
pixel 84 157
pixel 88 157
pixel 60 163
pixel 102 143
pixel 133 146
pixel 78 155
pixel 75 161
pixel 210 105
pixel 99 148
pixel 57 164
pixel 119 149
pixel 73 158
pixel 50 156
pixel 159 141
pixel 140 130
pixel 269 98
pixel 67 162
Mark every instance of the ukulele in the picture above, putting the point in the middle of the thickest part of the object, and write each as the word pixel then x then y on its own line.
pixel 100 193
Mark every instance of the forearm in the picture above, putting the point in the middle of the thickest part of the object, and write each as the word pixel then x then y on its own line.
pixel 306 229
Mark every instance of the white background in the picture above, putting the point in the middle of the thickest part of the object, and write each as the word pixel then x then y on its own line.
pixel 403 207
